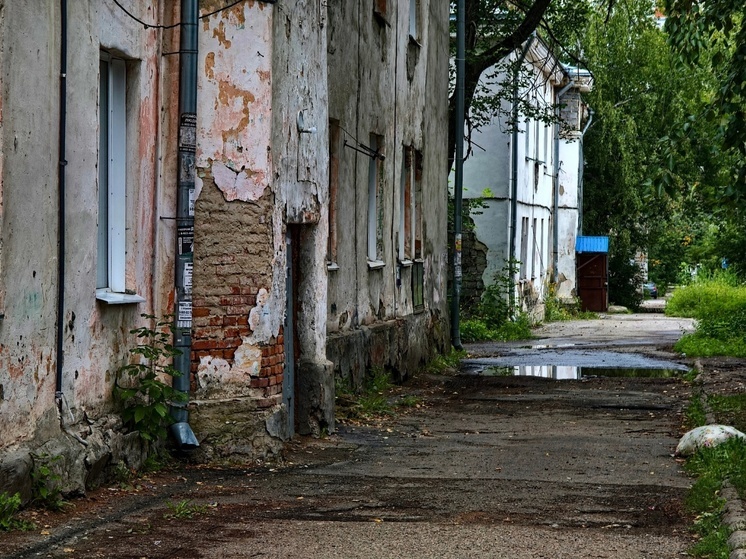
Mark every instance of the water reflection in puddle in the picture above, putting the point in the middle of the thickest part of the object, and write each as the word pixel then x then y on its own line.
pixel 559 372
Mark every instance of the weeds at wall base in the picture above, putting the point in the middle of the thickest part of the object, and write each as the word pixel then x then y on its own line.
pixel 9 507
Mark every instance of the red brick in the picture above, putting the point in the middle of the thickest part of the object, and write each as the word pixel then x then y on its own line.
pixel 200 311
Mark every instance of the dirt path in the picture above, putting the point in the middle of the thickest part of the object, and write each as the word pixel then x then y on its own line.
pixel 490 467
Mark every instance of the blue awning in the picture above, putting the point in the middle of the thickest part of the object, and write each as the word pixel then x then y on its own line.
pixel 592 244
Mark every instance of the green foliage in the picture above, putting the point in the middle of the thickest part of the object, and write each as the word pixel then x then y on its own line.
pixel 695 414
pixel 476 330
pixel 712 467
pixel 146 398
pixel 184 509
pixel 370 401
pixel 718 302
pixel 729 410
pixel 448 361
pixel 558 311
pixel 9 507
pixel 409 401
pixel 46 486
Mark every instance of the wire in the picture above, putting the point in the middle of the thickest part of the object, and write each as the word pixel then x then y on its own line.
pixel 179 24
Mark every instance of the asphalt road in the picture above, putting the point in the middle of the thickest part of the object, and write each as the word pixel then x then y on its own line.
pixel 487 466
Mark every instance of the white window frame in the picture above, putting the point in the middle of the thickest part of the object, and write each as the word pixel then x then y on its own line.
pixel 112 238
pixel 375 260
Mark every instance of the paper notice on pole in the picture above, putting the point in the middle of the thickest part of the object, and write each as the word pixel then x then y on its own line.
pixel 184 316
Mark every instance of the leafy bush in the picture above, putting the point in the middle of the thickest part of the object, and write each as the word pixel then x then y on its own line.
pixel 145 396
pixel 46 488
pixel 718 302
pixel 9 507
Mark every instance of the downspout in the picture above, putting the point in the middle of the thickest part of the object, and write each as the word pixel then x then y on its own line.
pixel 555 220
pixel 458 186
pixel 180 429
pixel 514 160
pixel 58 395
pixel 581 165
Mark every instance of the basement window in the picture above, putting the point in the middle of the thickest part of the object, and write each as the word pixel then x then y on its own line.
pixel 112 183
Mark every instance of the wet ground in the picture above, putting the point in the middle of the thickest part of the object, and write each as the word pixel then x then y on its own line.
pixel 489 465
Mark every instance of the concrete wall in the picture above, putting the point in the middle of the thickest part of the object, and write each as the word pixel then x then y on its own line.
pixel 567 218
pixel 382 82
pixel 96 335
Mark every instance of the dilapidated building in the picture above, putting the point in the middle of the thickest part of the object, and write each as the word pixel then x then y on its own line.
pixel 285 201
pixel 387 258
pixel 526 172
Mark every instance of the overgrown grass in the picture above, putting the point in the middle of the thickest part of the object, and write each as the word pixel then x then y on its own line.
pixel 445 362
pixel 718 302
pixel 556 310
pixel 478 330
pixel 369 401
pixel 712 467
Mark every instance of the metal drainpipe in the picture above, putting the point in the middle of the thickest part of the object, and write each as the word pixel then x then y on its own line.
pixel 180 429
pixel 459 184
pixel 555 221
pixel 61 203
pixel 581 165
pixel 514 159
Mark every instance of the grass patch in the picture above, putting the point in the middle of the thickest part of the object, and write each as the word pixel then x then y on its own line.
pixel 369 401
pixel 556 310
pixel 478 330
pixel 695 414
pixel 730 410
pixel 446 362
pixel 712 467
pixel 184 509
pixel 701 345
pixel 718 303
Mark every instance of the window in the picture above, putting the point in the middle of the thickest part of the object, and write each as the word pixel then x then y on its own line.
pixel 414 20
pixel 418 285
pixel 417 217
pixel 112 183
pixel 541 251
pixel 524 248
pixel 410 204
pixel 534 251
pixel 406 237
pixel 334 136
pixel 375 208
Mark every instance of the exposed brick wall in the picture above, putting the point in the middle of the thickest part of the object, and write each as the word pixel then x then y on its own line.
pixel 233 252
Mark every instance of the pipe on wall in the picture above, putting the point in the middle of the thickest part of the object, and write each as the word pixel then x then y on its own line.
pixel 555 220
pixel 459 182
pixel 61 204
pixel 514 159
pixel 180 429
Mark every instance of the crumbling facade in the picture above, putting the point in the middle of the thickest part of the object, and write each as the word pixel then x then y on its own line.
pixel 387 256
pixel 271 315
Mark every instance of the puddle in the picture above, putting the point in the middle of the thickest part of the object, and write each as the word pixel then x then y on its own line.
pixel 559 372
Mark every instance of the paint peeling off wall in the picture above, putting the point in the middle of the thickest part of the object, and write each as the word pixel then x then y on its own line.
pixel 243 185
pixel 235 75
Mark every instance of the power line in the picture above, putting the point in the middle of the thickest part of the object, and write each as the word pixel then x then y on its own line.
pixel 179 24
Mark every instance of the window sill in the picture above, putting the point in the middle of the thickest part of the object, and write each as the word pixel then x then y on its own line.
pixel 376 264
pixel 332 266
pixel 406 263
pixel 413 41
pixel 113 298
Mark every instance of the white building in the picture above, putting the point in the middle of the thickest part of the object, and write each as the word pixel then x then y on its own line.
pixel 528 177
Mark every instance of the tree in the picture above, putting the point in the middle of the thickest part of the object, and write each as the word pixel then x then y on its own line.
pixel 496 28
pixel 713 33
pixel 650 161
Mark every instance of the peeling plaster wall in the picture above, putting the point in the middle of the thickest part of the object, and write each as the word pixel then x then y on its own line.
pixel 381 82
pixel 259 65
pixel 96 335
pixel 238 303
